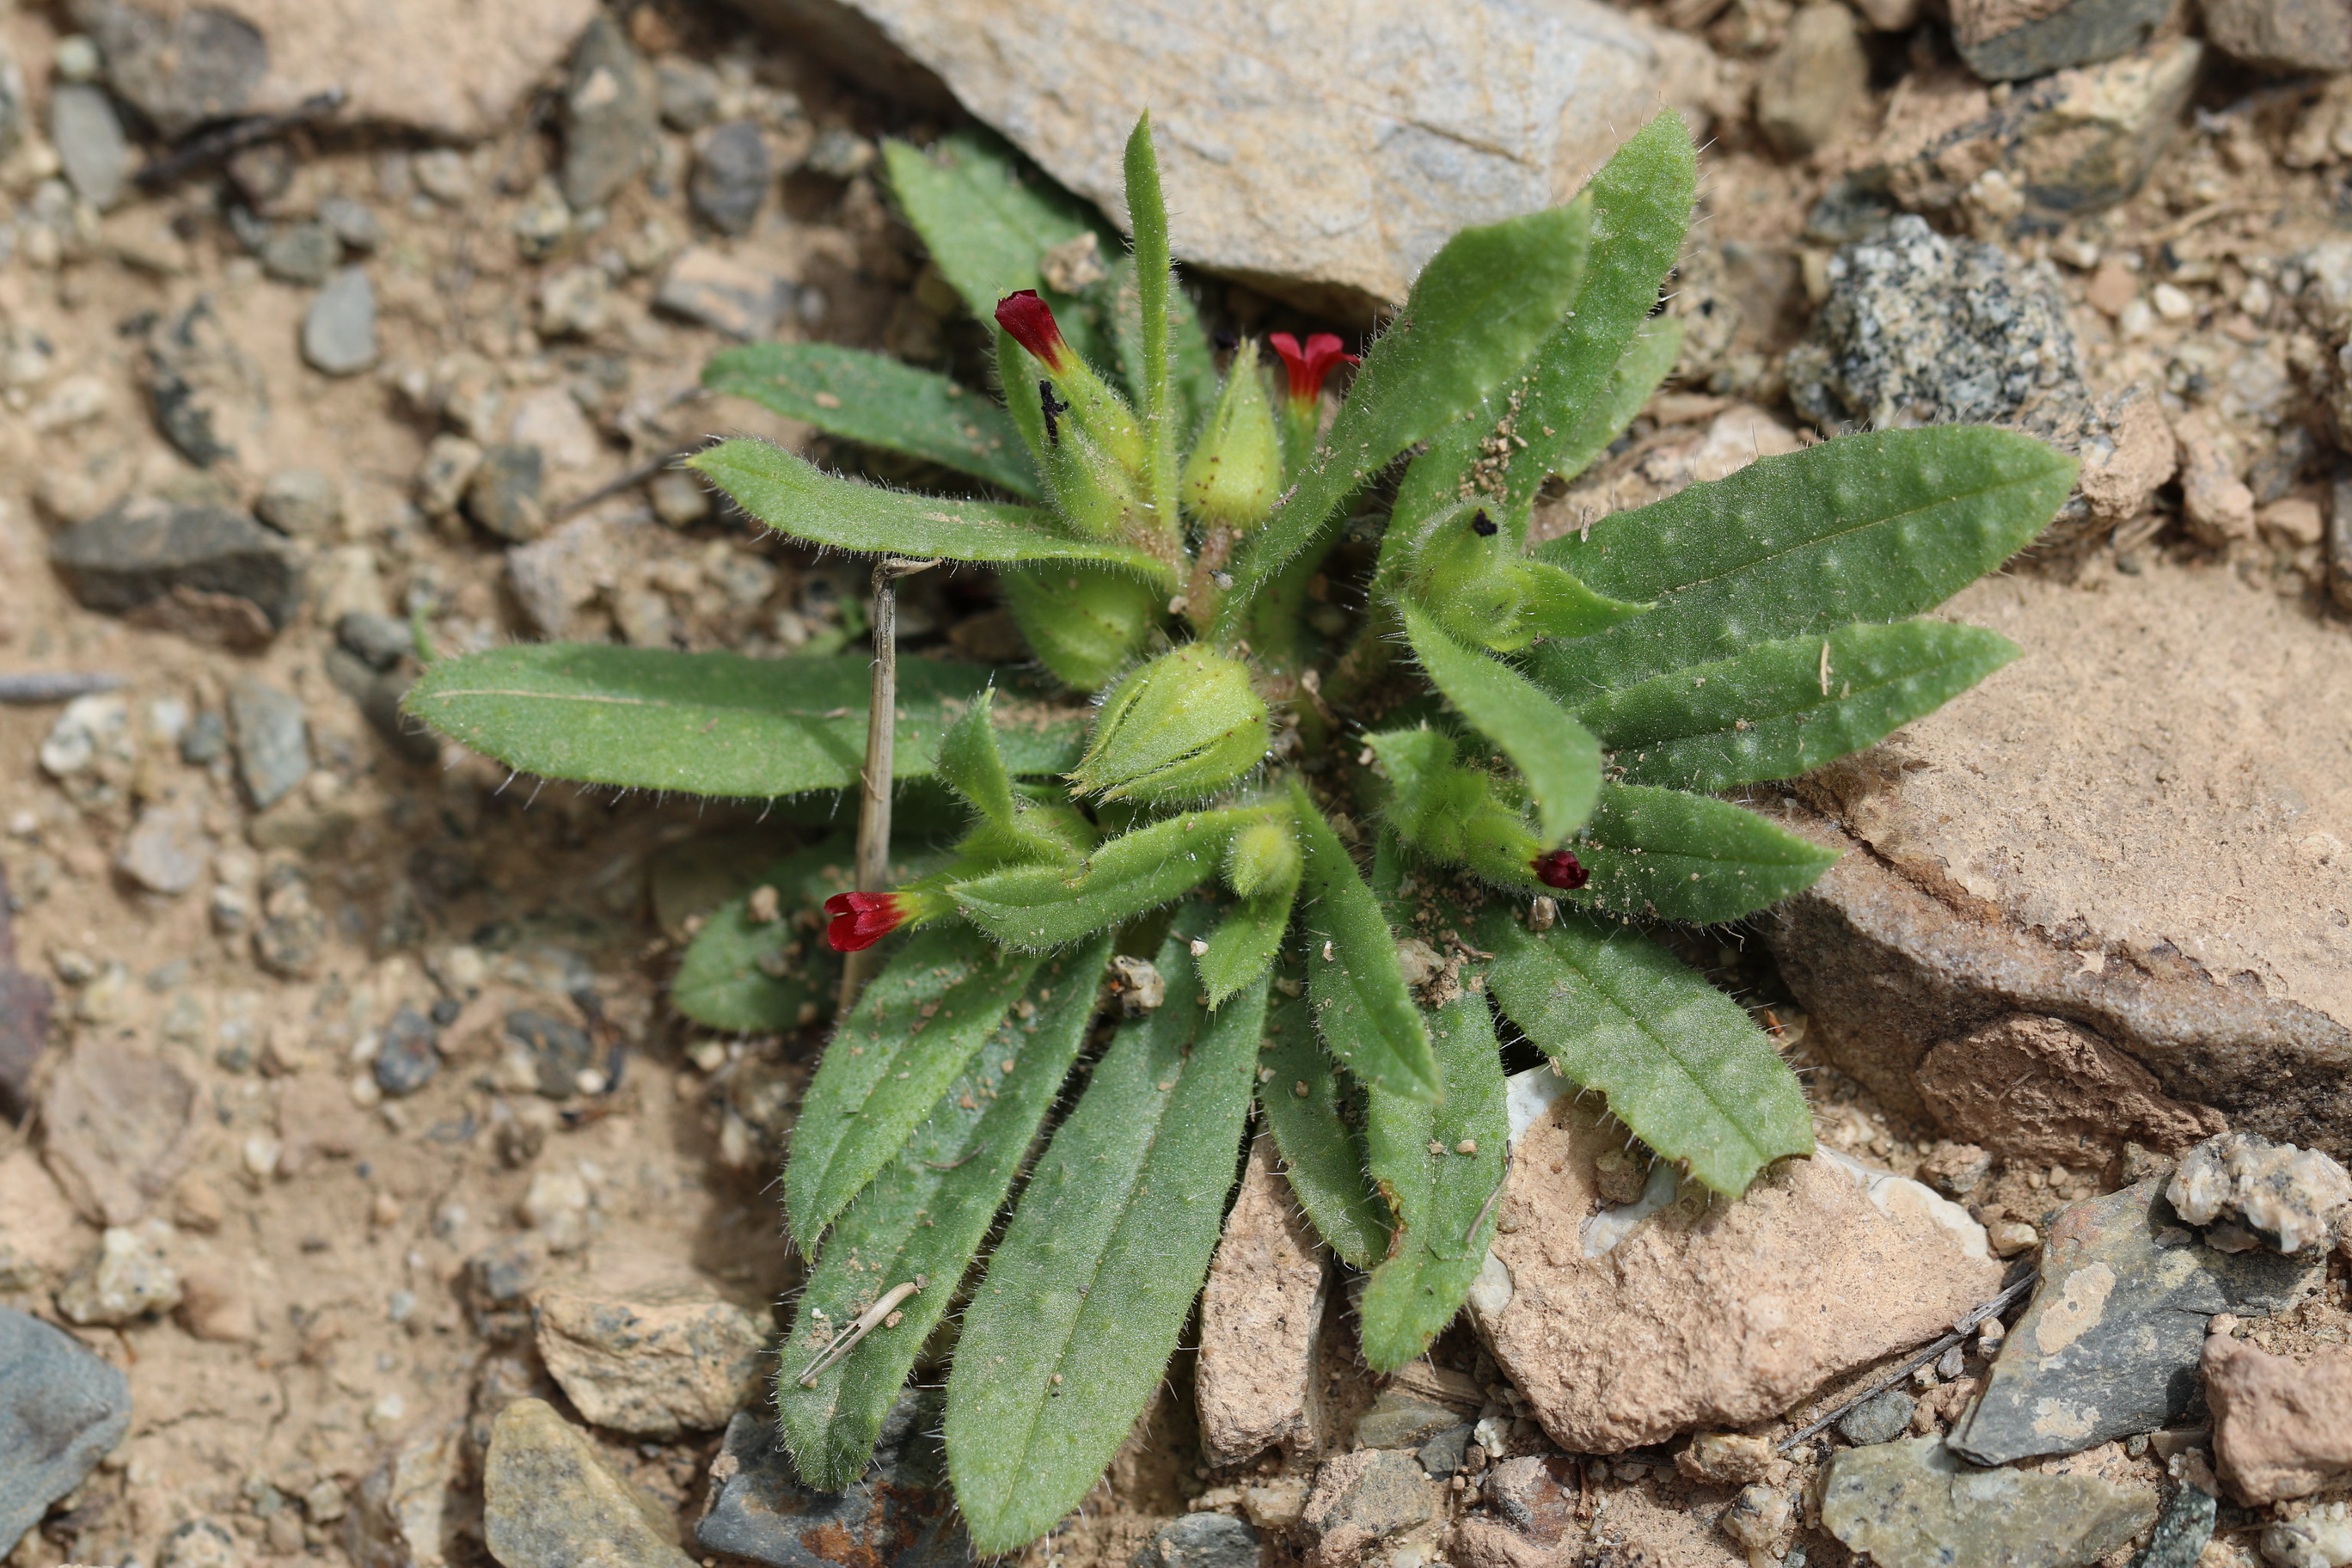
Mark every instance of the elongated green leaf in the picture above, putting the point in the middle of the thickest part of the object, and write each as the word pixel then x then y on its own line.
pixel 1362 1008
pixel 711 723
pixel 1438 1166
pixel 792 495
pixel 1147 210
pixel 1301 1095
pixel 1664 853
pixel 878 401
pixel 1680 1062
pixel 1043 906
pixel 1070 1333
pixel 1646 361
pixel 971 764
pixel 766 976
pixel 1483 303
pixel 1558 605
pixel 923 1217
pixel 1192 362
pixel 1865 528
pixel 1784 708
pixel 988 220
pixel 1558 756
pixel 1244 945
pixel 914 1028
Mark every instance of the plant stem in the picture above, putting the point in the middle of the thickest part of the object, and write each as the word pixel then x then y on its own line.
pixel 881 735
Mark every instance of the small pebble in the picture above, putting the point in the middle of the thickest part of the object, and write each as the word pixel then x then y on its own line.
pixel 303 503
pixel 407 1054
pixel 730 177
pixel 338 333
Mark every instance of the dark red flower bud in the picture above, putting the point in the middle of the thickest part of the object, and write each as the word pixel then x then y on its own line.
pixel 1308 366
pixel 861 919
pixel 1557 870
pixel 1031 323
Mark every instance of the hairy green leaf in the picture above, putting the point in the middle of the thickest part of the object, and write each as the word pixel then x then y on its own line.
pixel 1558 605
pixel 1865 528
pixel 923 1217
pixel 1782 708
pixel 1362 1008
pixel 1245 943
pixel 1192 362
pixel 1555 756
pixel 971 764
pixel 792 495
pixel 1044 906
pixel 764 976
pixel 1070 1333
pixel 1646 361
pixel 1146 210
pixel 1681 1064
pixel 1483 303
pixel 988 221
pixel 708 723
pixel 1300 1095
pixel 879 401
pixel 1438 1166
pixel 915 1027
pixel 1677 856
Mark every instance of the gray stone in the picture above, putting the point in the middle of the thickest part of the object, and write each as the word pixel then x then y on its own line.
pixel 303 253
pixel 207 393
pixel 62 1409
pixel 503 493
pixel 25 1003
pixel 542 221
pixel 201 1543
pixel 273 740
pixel 1916 1505
pixel 2288 1198
pixel 292 933
pixel 654 1364
pixel 117 1127
pixel 505 1272
pixel 549 1499
pixel 12 102
pixel 730 177
pixel 445 174
pixel 351 221
pixel 2181 1531
pixel 407 1054
pixel 2281 35
pixel 127 1279
pixel 840 153
pixel 1442 1455
pixel 1811 87
pixel 559 1051
pixel 167 849
pixel 1923 330
pixel 901 1514
pixel 379 640
pixel 2008 40
pixel 1202 1540
pixel 339 330
pixel 1401 1420
pixel 610 105
pixel 574 303
pixel 207 741
pixel 1361 1498
pixel 303 502
pixel 2110 1345
pixel 688 91
pixel 90 144
pixel 724 294
pixel 204 66
pixel 1454 114
pixel 2339 545
pixel 1881 1419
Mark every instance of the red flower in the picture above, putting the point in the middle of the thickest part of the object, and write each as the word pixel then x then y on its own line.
pixel 1557 870
pixel 1031 323
pixel 861 919
pixel 1310 364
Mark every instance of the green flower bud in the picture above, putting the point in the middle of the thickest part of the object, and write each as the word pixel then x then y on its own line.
pixel 1090 488
pixel 1235 471
pixel 1083 622
pixel 1180 728
pixel 1262 858
pixel 1451 813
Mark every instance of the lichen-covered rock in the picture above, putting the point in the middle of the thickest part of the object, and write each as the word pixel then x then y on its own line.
pixel 549 1501
pixel 2282 1426
pixel 1916 1505
pixel 655 1365
pixel 2290 1198
pixel 1361 1498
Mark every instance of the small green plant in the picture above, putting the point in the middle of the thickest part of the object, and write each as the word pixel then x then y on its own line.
pixel 1364 785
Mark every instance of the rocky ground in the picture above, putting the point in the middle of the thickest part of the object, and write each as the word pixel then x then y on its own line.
pixel 360 1198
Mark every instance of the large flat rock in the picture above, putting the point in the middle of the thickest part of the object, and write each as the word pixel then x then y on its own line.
pixel 2142 828
pixel 1325 151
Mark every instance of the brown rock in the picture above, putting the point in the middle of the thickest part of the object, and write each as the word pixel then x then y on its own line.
pixel 118 1126
pixel 659 1364
pixel 316 1122
pixel 396 1520
pixel 1483 1543
pixel 1362 1498
pixel 1258 1320
pixel 216 1305
pixel 1709 1313
pixel 2127 452
pixel 2111 287
pixel 2217 503
pixel 1815 83
pixel 40 1238
pixel 551 1502
pixel 2047 1091
pixel 2283 35
pixel 1731 1459
pixel 2068 840
pixel 2281 1427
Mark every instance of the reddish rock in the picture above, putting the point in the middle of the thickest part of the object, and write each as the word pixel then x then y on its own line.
pixel 1258 1320
pixel 2281 1427
pixel 2043 1090
pixel 118 1126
